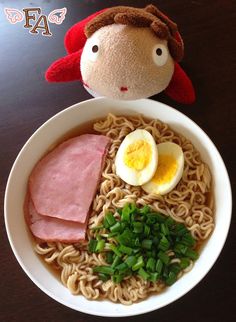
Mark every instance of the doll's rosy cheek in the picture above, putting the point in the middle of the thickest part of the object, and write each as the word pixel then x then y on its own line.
pixel 160 54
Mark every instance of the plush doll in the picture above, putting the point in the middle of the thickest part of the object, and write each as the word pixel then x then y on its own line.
pixel 125 53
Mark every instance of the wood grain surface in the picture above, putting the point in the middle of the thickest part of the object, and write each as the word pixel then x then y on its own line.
pixel 27 100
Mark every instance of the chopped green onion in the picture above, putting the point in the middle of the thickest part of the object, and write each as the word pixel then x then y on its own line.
pixel 92 245
pixel 171 279
pixel 180 229
pixel 155 241
pixel 175 268
pixel 137 227
pixel 153 277
pixel 110 219
pixel 125 238
pixel 164 257
pixel 132 208
pixel 180 248
pixel 131 261
pixel 98 237
pixel 164 244
pixel 151 220
pixel 125 249
pixel 151 264
pixel 123 224
pixel 159 266
pixel 116 227
pixel 138 264
pixel 104 270
pixel 119 210
pixel 100 246
pixel 117 278
pixel 169 222
pixel 165 229
pixel 103 277
pixel 154 253
pixel 156 226
pixel 191 254
pixel 109 257
pixel 159 217
pixel 165 272
pixel 143 274
pixel 112 234
pixel 105 223
pixel 147 243
pixel 184 262
pixel 148 253
pixel 125 215
pixel 144 210
pixel 137 242
pixel 115 250
pixel 188 240
pixel 122 267
pixel 146 230
pixel 116 261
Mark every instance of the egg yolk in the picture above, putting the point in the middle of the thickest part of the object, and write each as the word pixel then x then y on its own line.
pixel 138 154
pixel 166 170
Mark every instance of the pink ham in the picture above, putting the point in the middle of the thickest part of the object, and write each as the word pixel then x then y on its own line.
pixel 52 229
pixel 64 182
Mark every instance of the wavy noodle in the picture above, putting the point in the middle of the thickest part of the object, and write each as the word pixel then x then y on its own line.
pixel 189 202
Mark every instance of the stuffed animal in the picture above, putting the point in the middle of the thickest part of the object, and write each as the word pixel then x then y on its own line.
pixel 125 53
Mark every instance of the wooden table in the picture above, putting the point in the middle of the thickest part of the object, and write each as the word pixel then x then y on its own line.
pixel 27 100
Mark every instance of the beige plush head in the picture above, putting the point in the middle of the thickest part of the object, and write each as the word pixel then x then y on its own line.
pixel 129 54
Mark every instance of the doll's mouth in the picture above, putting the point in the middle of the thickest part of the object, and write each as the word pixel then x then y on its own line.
pixel 123 89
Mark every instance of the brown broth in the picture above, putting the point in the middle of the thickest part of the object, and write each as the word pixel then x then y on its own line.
pixel 84 128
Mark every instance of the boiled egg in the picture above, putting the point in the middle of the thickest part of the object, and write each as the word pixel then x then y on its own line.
pixel 137 158
pixel 169 170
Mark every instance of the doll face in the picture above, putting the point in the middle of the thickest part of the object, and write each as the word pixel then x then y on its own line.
pixel 126 62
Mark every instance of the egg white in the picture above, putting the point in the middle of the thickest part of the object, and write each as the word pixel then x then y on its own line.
pixel 175 151
pixel 130 175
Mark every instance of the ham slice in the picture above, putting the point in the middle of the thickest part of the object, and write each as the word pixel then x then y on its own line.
pixel 52 229
pixel 63 184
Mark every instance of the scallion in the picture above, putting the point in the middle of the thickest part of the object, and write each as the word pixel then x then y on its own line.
pixel 104 270
pixel 138 264
pixel 171 279
pixel 110 219
pixel 164 257
pixel 151 264
pixel 147 243
pixel 100 246
pixel 92 245
pixel 143 274
pixel 131 261
pixel 126 250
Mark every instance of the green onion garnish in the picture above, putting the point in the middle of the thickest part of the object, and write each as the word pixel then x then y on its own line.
pixel 139 243
pixel 104 270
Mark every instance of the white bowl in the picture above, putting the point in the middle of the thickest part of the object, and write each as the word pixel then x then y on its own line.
pixel 54 129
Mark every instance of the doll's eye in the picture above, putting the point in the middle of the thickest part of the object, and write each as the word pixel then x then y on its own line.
pixel 160 55
pixel 95 49
pixel 92 50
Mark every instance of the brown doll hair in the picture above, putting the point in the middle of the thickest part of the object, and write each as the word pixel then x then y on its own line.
pixel 161 25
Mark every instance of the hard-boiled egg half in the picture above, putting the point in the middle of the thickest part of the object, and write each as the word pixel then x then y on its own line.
pixel 137 158
pixel 169 170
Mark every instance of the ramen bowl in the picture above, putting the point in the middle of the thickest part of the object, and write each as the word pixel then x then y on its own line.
pixel 54 129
